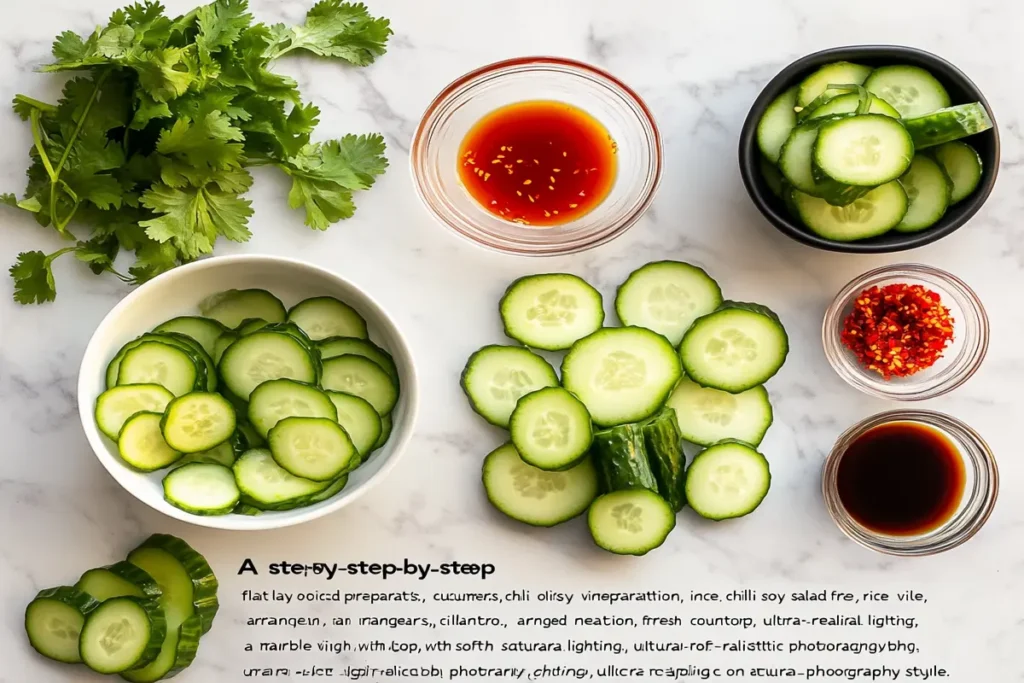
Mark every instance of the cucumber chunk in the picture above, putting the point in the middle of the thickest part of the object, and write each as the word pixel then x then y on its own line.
pixel 813 86
pixel 324 317
pixel 386 425
pixel 233 306
pixel 728 480
pixel 54 621
pixel 622 374
pixel 263 356
pixel 551 311
pixel 359 420
pixel 664 448
pixel 312 448
pixel 360 376
pixel 776 124
pixel 913 91
pixel 496 377
pixel 666 297
pixel 848 104
pixel 876 213
pixel 163 364
pixel 706 416
pixel 202 488
pixel 198 422
pixel 551 429
pixel 534 496
pixel 866 150
pixel 962 164
pixel 277 399
pixel 268 486
pixel 928 190
pixel 630 522
pixel 797 166
pixel 186 580
pixel 118 580
pixel 121 634
pixel 141 443
pixel 177 653
pixel 206 331
pixel 947 125
pixel 620 456
pixel 114 406
pixel 735 348
pixel 341 346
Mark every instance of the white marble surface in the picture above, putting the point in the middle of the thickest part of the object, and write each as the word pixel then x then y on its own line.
pixel 699 65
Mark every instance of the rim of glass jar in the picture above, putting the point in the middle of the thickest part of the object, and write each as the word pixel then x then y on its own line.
pixel 973 352
pixel 437 206
pixel 968 521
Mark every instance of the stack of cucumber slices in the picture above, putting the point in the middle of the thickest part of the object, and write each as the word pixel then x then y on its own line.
pixel 253 406
pixel 607 437
pixel 141 618
pixel 855 152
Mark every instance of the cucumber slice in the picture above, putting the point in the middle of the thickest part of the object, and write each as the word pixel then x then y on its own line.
pixel 312 448
pixel 776 124
pixel 197 422
pixel 121 634
pixel 223 342
pixel 163 364
pixel 797 166
pixel 928 190
pixel 912 90
pixel 849 103
pixel 728 480
pixel 250 325
pixel 666 297
pixel 180 341
pixel 336 487
pixel 630 522
pixel 176 654
pixel 206 365
pixel 263 356
pixel 202 488
pixel 706 416
pixel 386 425
pixel 268 486
pixel 233 306
pixel 496 377
pixel 735 348
pixel 620 456
pixel 551 429
pixel 222 454
pixel 54 620
pixel 621 374
pixel 249 437
pixel 551 311
pixel 534 496
pixel 360 376
pixel 324 317
pixel 114 406
pixel 947 125
pixel 206 331
pixel 359 420
pixel 333 347
pixel 866 150
pixel 277 399
pixel 141 443
pixel 876 213
pixel 664 447
pixel 118 580
pixel 187 583
pixel 836 73
pixel 962 164
pixel 772 177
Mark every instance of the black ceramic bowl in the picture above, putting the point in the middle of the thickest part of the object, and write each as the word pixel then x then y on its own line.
pixel 961 90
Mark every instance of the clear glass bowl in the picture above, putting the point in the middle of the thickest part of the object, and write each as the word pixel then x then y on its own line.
pixel 959 362
pixel 981 487
pixel 435 148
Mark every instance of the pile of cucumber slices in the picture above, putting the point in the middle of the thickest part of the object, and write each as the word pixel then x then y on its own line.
pixel 141 618
pixel 253 406
pixel 607 437
pixel 855 152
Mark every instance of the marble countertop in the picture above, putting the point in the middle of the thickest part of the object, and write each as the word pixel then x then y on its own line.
pixel 699 66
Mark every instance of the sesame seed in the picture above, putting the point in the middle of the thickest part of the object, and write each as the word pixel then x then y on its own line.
pixel 548 214
pixel 486 176
pixel 495 161
pixel 556 170
pixel 530 197
pixel 519 161
pixel 565 154
pixel 503 148
pixel 519 193
pixel 527 182
pixel 573 206
pixel 551 187
pixel 501 156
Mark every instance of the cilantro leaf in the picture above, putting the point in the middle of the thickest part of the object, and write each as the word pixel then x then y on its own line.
pixel 336 29
pixel 153 258
pixel 165 73
pixel 364 154
pixel 220 25
pixel 69 47
pixel 33 277
pixel 325 202
pixel 99 253
pixel 193 217
pixel 209 142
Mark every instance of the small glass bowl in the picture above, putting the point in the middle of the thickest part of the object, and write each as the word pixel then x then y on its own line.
pixel 435 148
pixel 961 359
pixel 981 487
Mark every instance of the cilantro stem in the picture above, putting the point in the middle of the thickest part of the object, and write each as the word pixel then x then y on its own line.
pixel 44 107
pixel 37 140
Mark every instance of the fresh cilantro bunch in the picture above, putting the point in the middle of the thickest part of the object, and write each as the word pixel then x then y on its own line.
pixel 149 147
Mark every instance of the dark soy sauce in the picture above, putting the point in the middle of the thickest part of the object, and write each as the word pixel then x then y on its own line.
pixel 901 479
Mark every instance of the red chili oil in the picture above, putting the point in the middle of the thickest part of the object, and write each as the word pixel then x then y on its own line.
pixel 901 479
pixel 539 163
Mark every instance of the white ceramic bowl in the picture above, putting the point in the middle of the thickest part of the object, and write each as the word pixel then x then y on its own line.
pixel 178 292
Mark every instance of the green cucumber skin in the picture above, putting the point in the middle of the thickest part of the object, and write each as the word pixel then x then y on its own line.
pixel 204 581
pixel 514 285
pixel 621 458
pixel 186 646
pixel 137 576
pixel 157 629
pixel 829 189
pixel 664 446
pixel 70 596
pixel 760 500
pixel 947 125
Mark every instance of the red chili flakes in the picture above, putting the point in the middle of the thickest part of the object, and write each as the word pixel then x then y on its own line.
pixel 898 330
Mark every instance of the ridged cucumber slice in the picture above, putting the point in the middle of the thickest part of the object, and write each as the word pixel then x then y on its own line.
pixel 876 213
pixel 322 317
pixel 202 488
pixel 929 191
pixel 206 331
pixel 837 73
pixel 962 164
pixel 115 406
pixel 776 124
pixel 496 377
pixel 189 585
pixel 122 633
pixel 278 399
pixel 867 150
pixel 913 91
pixel 341 346
pixel 268 486
pixel 706 416
pixel 176 654
pixel 630 522
pixel 551 429
pixel 359 420
pixel 141 443
pixel 118 580
pixel 54 621
pixel 728 480
pixel 233 306
pixel 949 124
pixel 666 297
pixel 551 311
